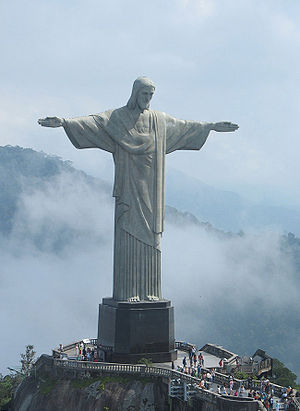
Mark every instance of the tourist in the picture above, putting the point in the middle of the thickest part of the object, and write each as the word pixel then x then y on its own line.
pixel 249 382
pixel 242 391
pixel 61 348
pixel 231 382
pixel 77 352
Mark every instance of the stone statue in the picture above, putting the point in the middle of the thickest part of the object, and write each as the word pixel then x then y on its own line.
pixel 139 139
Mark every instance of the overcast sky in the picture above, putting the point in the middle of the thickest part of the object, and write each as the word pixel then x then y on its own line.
pixel 211 60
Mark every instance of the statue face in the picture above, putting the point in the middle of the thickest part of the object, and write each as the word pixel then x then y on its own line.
pixel 144 97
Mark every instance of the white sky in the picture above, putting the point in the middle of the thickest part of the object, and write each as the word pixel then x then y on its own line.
pixel 211 60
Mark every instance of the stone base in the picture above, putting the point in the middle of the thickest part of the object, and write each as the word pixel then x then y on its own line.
pixel 129 331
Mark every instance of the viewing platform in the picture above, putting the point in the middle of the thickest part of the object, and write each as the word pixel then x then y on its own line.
pixel 181 384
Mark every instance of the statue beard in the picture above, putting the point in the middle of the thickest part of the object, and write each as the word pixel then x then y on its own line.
pixel 146 107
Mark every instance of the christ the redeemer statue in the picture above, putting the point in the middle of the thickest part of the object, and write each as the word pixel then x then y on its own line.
pixel 139 139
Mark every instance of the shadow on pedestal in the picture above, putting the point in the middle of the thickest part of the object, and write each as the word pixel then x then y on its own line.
pixel 135 330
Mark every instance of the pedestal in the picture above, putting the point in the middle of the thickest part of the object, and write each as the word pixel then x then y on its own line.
pixel 129 331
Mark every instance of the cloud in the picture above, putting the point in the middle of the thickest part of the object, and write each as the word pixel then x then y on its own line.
pixel 57 266
pixel 237 291
pixel 195 9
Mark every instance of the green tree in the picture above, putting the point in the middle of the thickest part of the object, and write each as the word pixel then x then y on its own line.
pixel 6 389
pixel 282 375
pixel 27 360
pixel 240 375
pixel 9 383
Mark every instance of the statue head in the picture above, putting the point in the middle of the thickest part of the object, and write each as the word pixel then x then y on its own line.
pixel 142 92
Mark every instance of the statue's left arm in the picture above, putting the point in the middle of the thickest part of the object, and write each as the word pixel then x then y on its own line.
pixel 191 135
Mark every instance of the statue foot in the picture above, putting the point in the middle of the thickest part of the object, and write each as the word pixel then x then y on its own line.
pixel 134 299
pixel 152 298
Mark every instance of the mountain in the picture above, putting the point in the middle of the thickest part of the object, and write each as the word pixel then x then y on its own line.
pixel 240 290
pixel 224 209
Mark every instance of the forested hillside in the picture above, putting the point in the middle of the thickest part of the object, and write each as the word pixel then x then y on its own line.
pixel 239 290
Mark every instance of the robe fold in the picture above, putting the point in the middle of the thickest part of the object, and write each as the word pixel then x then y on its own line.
pixel 139 157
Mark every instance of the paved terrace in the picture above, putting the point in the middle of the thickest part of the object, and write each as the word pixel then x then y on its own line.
pixel 165 369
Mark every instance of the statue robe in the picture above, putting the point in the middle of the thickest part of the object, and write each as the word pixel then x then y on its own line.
pixel 139 157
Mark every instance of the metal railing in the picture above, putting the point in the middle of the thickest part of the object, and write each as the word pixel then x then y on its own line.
pixel 144 371
pixel 184 346
pixel 296 403
pixel 140 369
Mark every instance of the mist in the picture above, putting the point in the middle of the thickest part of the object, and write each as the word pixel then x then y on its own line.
pixel 56 266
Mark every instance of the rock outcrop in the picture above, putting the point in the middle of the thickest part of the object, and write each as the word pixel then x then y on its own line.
pixel 104 393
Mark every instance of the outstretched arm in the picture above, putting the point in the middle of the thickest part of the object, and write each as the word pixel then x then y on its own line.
pixel 191 135
pixel 83 132
pixel 51 122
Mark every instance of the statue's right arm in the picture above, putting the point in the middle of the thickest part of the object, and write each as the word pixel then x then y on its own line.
pixel 51 122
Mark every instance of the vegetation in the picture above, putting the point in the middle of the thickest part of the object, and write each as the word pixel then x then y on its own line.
pixel 282 375
pixel 47 386
pixel 9 383
pixel 240 375
pixel 116 379
pixel 6 389
pixel 27 360
pixel 146 361
pixel 83 383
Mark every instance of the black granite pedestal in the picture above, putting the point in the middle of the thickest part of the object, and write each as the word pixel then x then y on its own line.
pixel 129 331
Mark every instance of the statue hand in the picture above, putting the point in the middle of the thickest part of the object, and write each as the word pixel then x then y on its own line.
pixel 51 122
pixel 224 126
